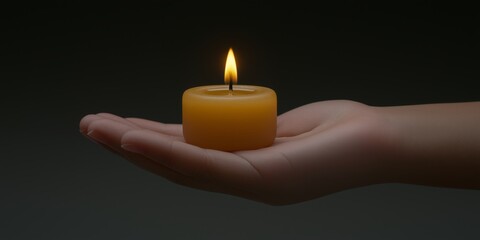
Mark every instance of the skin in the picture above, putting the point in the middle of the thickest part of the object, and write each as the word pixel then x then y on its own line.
pixel 320 148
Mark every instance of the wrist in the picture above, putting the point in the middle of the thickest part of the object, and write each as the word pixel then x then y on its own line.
pixel 434 144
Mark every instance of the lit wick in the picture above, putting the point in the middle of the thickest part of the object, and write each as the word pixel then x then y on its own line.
pixel 230 70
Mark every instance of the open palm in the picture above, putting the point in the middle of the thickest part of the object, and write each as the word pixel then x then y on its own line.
pixel 320 148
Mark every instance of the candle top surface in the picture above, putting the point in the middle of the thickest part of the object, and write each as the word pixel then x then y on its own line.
pixel 222 91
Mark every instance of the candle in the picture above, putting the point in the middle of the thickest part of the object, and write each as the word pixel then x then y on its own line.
pixel 229 117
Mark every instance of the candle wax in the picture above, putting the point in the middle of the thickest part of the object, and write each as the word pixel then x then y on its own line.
pixel 215 117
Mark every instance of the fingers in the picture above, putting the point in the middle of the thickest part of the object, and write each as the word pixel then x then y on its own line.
pixel 199 163
pixel 107 130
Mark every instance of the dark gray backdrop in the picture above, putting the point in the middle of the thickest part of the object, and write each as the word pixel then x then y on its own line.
pixel 61 61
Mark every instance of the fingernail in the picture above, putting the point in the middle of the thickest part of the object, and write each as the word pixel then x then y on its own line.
pixel 131 148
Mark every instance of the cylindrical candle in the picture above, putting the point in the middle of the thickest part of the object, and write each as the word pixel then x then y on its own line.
pixel 215 117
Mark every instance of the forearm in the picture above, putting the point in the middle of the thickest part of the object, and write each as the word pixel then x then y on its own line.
pixel 436 144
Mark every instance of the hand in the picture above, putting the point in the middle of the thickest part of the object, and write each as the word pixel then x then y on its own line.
pixel 320 148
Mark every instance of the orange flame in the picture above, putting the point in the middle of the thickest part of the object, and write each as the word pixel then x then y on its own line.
pixel 230 68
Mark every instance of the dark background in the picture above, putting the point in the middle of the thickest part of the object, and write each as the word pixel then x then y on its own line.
pixel 61 61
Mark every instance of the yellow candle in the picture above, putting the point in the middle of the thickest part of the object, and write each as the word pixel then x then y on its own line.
pixel 227 117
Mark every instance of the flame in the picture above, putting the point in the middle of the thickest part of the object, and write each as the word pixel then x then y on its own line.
pixel 230 68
